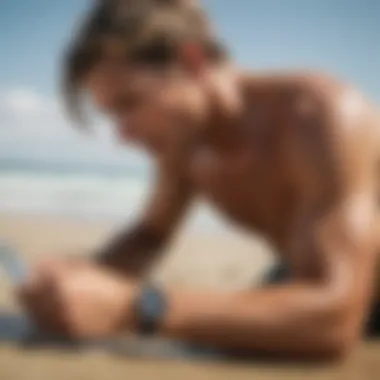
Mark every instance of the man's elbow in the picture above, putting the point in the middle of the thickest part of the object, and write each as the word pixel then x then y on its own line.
pixel 340 339
pixel 329 347
pixel 339 347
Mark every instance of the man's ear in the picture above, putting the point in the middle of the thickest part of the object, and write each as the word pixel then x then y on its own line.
pixel 192 56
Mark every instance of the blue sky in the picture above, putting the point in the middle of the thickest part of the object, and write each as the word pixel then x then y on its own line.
pixel 338 36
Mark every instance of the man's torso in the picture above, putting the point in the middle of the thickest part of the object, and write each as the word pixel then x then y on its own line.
pixel 257 185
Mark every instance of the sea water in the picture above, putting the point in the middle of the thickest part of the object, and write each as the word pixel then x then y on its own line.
pixel 110 192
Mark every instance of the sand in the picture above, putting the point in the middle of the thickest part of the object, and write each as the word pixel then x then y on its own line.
pixel 204 260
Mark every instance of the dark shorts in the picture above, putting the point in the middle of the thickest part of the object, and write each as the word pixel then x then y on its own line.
pixel 280 274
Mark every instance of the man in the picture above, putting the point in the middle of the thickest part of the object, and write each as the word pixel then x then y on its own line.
pixel 292 156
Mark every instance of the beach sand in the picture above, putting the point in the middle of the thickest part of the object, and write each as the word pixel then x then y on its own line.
pixel 204 260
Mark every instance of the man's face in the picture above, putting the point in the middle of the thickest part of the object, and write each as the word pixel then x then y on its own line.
pixel 151 108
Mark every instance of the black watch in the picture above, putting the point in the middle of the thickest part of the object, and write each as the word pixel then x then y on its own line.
pixel 150 309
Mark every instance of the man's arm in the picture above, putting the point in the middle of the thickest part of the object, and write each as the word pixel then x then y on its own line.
pixel 314 317
pixel 321 313
pixel 134 251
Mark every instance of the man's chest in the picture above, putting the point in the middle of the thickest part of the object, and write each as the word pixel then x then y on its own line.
pixel 248 187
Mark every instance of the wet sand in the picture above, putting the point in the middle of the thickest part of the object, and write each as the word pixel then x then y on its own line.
pixel 207 260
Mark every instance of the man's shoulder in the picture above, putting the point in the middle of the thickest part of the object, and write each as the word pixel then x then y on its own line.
pixel 327 118
pixel 334 96
pixel 328 92
pixel 322 101
pixel 317 108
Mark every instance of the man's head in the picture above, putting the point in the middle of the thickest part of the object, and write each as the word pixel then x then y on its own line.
pixel 144 63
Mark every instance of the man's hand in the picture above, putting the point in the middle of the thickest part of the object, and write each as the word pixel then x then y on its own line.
pixel 78 299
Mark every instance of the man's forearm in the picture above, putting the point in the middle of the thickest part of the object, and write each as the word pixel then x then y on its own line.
pixel 292 320
pixel 134 251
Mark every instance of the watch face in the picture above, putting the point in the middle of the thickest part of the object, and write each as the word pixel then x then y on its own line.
pixel 152 302
pixel 151 307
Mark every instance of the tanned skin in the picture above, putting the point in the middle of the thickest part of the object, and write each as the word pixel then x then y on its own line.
pixel 133 253
pixel 291 156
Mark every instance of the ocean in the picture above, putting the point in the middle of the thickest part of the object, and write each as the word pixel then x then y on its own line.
pixel 85 191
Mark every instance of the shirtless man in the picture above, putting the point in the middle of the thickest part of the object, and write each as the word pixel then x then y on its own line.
pixel 292 156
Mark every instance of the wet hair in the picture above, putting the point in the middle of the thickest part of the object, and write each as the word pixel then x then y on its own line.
pixel 141 32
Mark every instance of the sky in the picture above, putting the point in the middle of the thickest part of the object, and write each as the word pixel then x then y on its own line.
pixel 337 36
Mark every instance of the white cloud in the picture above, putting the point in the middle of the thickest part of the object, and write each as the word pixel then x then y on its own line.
pixel 33 126
pixel 21 100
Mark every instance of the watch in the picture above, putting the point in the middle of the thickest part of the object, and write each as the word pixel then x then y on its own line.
pixel 150 309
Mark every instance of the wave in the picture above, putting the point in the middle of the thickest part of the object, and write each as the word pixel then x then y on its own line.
pixel 86 195
pixel 37 167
